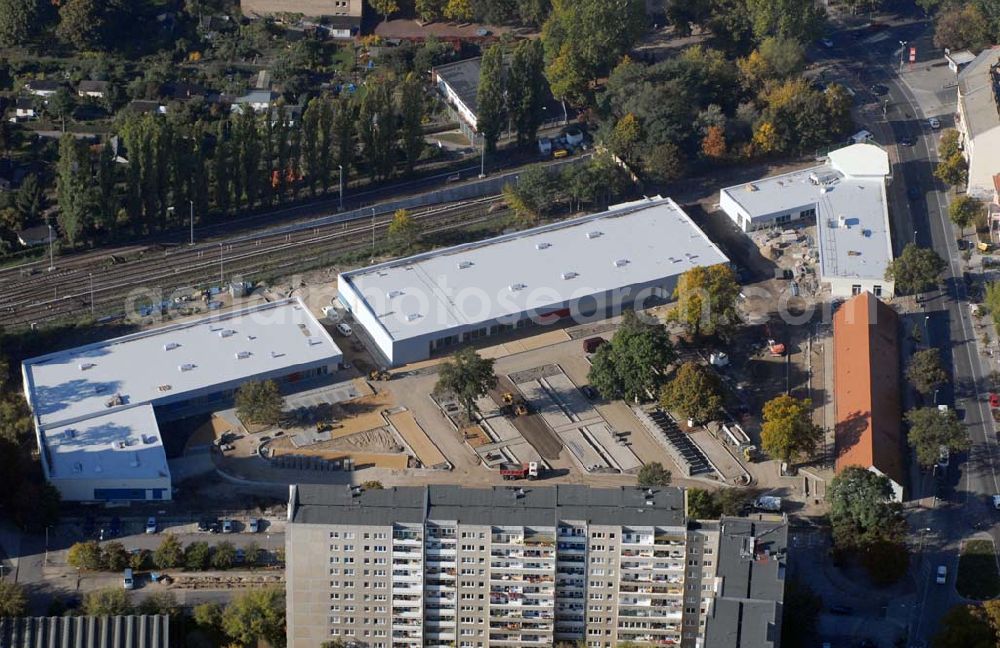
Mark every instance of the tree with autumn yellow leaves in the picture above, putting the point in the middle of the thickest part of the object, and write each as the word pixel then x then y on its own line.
pixel 706 300
pixel 788 431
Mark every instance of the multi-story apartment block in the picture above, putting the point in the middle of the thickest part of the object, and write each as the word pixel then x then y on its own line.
pixel 501 567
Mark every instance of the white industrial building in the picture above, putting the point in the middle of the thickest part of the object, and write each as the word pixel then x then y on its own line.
pixel 847 197
pixel 587 268
pixel 96 407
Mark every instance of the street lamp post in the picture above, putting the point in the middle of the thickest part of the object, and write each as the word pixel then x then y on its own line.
pixel 191 218
pixel 373 236
pixel 91 293
pixel 52 240
pixel 221 279
pixel 902 53
pixel 341 167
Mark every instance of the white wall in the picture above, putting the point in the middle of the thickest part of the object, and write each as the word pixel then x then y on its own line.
pixel 844 286
pixel 82 490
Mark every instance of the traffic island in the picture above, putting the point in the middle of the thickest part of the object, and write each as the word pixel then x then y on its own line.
pixel 978 577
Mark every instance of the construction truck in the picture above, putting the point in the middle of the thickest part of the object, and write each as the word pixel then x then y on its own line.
pixel 379 374
pixel 511 471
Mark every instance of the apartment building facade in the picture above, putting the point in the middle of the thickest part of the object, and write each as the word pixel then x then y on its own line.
pixel 501 567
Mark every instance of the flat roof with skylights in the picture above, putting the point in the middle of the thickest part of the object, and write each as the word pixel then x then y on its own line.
pixel 634 244
pixel 95 406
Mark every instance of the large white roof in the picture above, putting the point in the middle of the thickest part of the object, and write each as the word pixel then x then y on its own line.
pixel 630 244
pixel 168 362
pixel 852 217
pixel 124 444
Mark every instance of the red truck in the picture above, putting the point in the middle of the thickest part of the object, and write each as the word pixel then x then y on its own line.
pixel 519 471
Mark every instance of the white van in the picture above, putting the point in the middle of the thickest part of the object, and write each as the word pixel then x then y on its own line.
pixel 127 580
pixel 344 329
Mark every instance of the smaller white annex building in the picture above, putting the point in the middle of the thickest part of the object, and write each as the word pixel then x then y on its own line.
pixel 96 407
pixel 847 197
pixel 587 268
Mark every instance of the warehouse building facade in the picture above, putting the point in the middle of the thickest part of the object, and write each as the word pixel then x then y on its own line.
pixel 96 408
pixel 587 268
pixel 447 566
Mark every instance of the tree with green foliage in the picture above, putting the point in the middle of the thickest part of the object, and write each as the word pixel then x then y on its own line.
pixel 467 376
pixel 196 556
pixel 377 128
pixel 169 554
pixel 384 7
pixel 633 365
pixel 411 113
pixel 862 510
pixel 310 135
pixel 112 601
pixel 932 429
pixel 429 10
pixel 925 372
pixel 799 20
pixel 653 474
pixel 85 555
pixel 29 199
pixel 706 300
pixel 583 39
pixel 403 232
pixel 81 23
pixel 256 615
pixel 223 555
pixel 208 618
pixel 13 600
pixel 526 90
pixel 967 626
pixel 491 111
pixel 72 188
pixel 952 170
pixel 534 192
pixel 702 504
pixel 964 210
pixel 159 603
pixel 19 21
pixel 253 554
pixel 916 270
pixel 695 392
pixel 962 25
pixel 625 138
pixel 139 559
pixel 787 431
pixel 115 557
pixel 458 10
pixel 259 402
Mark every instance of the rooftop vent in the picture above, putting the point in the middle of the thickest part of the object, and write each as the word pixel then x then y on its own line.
pixel 393 293
pixel 187 366
pixel 86 365
pixel 462 265
pixel 542 246
pixel 621 263
pixel 516 286
pixel 413 316
pixel 251 338
pixel 649 502
pixel 148 440
pixel 751 186
pixel 163 388
pixel 224 333
pixel 170 346
pixel 118 445
pixel 569 275
pixel 242 355
pixel 70 433
pixel 841 221
pixel 594 234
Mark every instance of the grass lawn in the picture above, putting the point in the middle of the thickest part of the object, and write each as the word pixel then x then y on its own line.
pixel 977 571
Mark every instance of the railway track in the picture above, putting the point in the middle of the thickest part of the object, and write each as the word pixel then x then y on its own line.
pixel 148 275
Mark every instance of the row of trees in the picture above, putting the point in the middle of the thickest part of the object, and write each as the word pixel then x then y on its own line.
pixel 964 24
pixel 196 556
pixel 511 94
pixel 495 12
pixel 541 191
pixel 246 161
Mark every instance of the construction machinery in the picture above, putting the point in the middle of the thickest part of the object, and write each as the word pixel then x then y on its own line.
pixel 514 404
pixel 511 471
pixel 379 374
pixel 776 348
pixel 750 453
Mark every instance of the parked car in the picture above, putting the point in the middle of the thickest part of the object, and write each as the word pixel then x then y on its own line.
pixel 878 90
pixel 590 392
pixel 151 525
pixel 942 575
pixel 934 122
pixel 210 525
pixel 996 502
pixel 254 525
pixel 826 42
pixel 128 581
pixel 843 610
pixel 344 329
pixel 906 141
pixel 227 526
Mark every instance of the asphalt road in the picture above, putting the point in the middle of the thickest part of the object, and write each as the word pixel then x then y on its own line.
pixel 964 508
